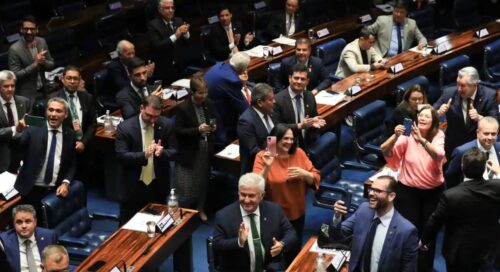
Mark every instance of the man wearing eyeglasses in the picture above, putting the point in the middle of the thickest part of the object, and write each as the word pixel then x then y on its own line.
pixel 55 259
pixel 382 239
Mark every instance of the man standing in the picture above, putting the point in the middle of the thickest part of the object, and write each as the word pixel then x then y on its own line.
pixel 251 234
pixel 14 107
pixel 297 107
pixel 29 58
pixel 286 23
pixel 48 156
pixel 396 33
pixel 469 212
pixel 168 34
pixel 359 56
pixel 255 124
pixel 139 148
pixel 486 141
pixel 464 106
pixel 316 71
pixel 55 258
pixel 24 243
pixel 382 239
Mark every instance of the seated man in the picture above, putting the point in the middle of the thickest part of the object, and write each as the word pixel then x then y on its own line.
pixel 382 239
pixel 317 73
pixel 396 33
pixel 24 243
pixel 359 56
pixel 55 258
pixel 252 234
pixel 286 22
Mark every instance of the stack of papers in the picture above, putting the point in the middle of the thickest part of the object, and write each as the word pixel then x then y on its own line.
pixel 183 83
pixel 231 151
pixel 326 98
pixel 174 94
pixel 140 220
pixel 256 52
pixel 7 181
pixel 284 40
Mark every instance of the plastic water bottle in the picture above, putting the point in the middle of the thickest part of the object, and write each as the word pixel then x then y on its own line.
pixel 108 124
pixel 320 263
pixel 173 203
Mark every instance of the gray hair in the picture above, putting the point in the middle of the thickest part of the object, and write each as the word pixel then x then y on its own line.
pixel 471 73
pixel 7 75
pixel 260 92
pixel 57 251
pixel 252 180
pixel 487 120
pixel 59 100
pixel 120 46
pixel 23 208
pixel 239 62
pixel 164 1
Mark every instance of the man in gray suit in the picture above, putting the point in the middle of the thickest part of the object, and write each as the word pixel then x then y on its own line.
pixel 396 33
pixel 29 58
pixel 14 107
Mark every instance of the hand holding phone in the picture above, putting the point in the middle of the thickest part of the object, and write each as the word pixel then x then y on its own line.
pixel 408 123
pixel 271 145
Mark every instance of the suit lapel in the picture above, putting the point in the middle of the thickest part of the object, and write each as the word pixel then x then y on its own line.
pixel 3 118
pixel 260 126
pixel 389 238
pixel 265 235
pixel 20 107
pixel 289 106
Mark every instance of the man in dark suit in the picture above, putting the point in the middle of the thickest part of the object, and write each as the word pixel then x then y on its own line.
pixel 132 96
pixel 382 239
pixel 286 23
pixel 48 156
pixel 225 36
pixel 252 234
pixel 317 73
pixel 55 258
pixel 469 212
pixel 224 89
pixel 486 141
pixel 29 58
pixel 168 34
pixel 297 107
pixel 255 124
pixel 23 245
pixel 14 107
pixel 140 149
pixel 464 107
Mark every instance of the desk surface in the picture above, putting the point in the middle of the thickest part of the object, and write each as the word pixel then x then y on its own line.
pixel 129 246
pixel 306 260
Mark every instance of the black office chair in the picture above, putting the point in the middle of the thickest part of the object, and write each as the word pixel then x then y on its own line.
pixel 273 76
pixel 329 52
pixel 448 70
pixel 315 12
pixel 205 31
pixel 491 61
pixel 103 93
pixel 112 28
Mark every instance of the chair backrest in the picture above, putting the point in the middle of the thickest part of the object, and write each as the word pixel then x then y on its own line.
pixel 323 155
pixel 492 60
pixel 330 53
pixel 66 7
pixel 63 46
pixel 112 28
pixel 424 19
pixel 315 12
pixel 105 95
pixel 465 14
pixel 205 31
pixel 448 70
pixel 368 122
pixel 273 76
pixel 401 88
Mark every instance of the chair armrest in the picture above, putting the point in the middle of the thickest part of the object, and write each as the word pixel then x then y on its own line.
pixel 373 149
pixel 103 215
pixel 72 241
pixel 356 165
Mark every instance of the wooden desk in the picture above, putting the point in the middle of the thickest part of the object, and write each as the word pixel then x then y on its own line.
pixel 5 210
pixel 306 260
pixel 129 246
pixel 230 166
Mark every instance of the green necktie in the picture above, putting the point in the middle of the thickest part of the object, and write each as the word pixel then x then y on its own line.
pixel 256 244
pixel 74 116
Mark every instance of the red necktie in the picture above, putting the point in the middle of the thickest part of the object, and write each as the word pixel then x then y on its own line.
pixel 247 94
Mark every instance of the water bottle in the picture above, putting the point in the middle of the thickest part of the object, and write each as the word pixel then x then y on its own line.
pixel 108 124
pixel 320 263
pixel 173 203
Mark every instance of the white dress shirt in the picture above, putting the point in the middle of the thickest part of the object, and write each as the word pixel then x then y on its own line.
pixel 290 21
pixel 22 253
pixel 261 115
pixel 57 157
pixel 379 239
pixel 246 221
pixel 492 157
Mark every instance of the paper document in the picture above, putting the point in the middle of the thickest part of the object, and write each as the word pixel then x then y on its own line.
pixel 328 251
pixel 284 40
pixel 385 7
pixel 386 171
pixel 231 151
pixel 425 50
pixel 7 181
pixel 326 98
pixel 138 222
pixel 51 75
pixel 183 83
pixel 256 52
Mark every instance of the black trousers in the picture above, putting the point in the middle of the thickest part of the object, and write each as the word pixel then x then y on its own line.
pixel 298 225
pixel 143 194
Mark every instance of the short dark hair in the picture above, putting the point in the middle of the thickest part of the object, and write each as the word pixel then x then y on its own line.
pixel 393 183
pixel 71 68
pixel 474 163
pixel 365 34
pixel 400 5
pixel 153 101
pixel 135 63
pixel 197 82
pixel 29 18
pixel 299 68
pixel 279 131
pixel 303 41
pixel 224 7
pixel 260 92
pixel 414 88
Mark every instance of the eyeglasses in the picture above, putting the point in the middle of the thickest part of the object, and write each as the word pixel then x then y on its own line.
pixel 377 191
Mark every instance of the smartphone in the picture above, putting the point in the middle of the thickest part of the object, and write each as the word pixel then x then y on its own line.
pixel 96 266
pixel 271 145
pixel 157 84
pixel 35 121
pixel 212 122
pixel 347 200
pixel 408 123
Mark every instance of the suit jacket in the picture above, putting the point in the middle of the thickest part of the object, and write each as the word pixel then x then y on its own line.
pixel 351 60
pixel 21 63
pixel 456 132
pixel 470 213
pixel 88 114
pixel 130 153
pixel 277 25
pixel 224 89
pixel 117 75
pixel 186 130
pixel 318 75
pixel 129 101
pixel 382 29
pixel 284 113
pixel 44 237
pixel 219 43
pixel 400 249
pixel 168 57
pixel 252 134
pixel 8 143
pixel 273 223
pixel 34 145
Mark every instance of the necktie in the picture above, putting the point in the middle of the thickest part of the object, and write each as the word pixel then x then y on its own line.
pixel 298 106
pixel 144 93
pixel 10 115
pixel 148 169
pixel 247 94
pixel 30 258
pixel 367 250
pixel 49 168
pixel 467 116
pixel 171 26
pixel 491 174
pixel 75 116
pixel 266 121
pixel 400 40
pixel 288 24
pixel 256 244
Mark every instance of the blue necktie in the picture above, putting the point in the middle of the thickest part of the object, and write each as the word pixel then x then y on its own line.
pixel 367 250
pixel 400 40
pixel 49 170
pixel 298 105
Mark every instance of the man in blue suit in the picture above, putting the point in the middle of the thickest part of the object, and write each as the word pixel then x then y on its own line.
pixel 383 240
pixel 224 89
pixel 465 107
pixel 252 234
pixel 487 131
pixel 23 245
